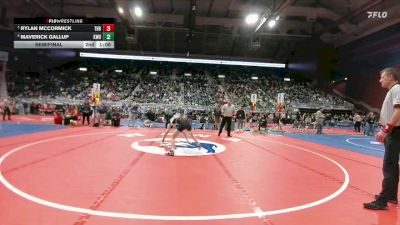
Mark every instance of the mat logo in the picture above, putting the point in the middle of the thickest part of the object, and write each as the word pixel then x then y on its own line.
pixel 131 135
pixel 183 148
pixel 196 135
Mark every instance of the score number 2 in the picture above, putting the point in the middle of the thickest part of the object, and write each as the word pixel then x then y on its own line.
pixel 108 36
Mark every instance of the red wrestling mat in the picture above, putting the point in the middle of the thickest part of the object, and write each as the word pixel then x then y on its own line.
pixel 32 119
pixel 119 176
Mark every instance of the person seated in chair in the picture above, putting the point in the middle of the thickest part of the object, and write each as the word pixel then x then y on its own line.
pixel 202 121
pixel 71 115
pixel 116 117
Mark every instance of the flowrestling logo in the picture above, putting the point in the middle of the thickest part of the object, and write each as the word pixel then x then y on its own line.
pixel 183 148
pixel 377 14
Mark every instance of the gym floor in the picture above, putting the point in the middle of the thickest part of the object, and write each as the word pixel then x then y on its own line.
pixel 84 175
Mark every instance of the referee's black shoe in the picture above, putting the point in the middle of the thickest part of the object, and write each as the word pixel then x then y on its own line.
pixel 376 205
pixel 393 201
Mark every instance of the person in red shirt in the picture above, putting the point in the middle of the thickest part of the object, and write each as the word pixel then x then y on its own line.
pixel 58 118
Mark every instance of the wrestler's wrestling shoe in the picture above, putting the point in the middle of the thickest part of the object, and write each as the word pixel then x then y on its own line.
pixel 170 153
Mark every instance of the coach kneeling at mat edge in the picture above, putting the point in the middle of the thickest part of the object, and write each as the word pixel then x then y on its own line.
pixel 227 111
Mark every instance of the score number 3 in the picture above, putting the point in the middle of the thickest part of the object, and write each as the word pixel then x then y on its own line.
pixel 108 27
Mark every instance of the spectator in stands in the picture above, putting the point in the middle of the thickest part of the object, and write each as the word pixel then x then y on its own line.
pixel 109 116
pixel 217 115
pixel 101 113
pixel 116 117
pixel 133 114
pixel 240 117
pixel 49 109
pixel 203 121
pixel 7 105
pixel 58 117
pixel 357 122
pixel 370 124
pixel 210 121
pixel 20 110
pixel 86 112
pixel 42 108
pixel 254 120
pixel 34 108
pixel 167 117
pixel 320 119
pixel 262 123
pixel 71 115
pixel 189 115
pixel 150 115
pixel 278 120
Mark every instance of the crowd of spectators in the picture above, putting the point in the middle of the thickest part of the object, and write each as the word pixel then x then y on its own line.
pixel 168 87
pixel 297 93
pixel 107 114
pixel 72 84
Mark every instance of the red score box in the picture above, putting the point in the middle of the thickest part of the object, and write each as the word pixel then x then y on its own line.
pixel 108 27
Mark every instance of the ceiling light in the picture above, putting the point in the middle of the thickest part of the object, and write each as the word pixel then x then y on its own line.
pixel 120 10
pixel 271 23
pixel 138 11
pixel 251 19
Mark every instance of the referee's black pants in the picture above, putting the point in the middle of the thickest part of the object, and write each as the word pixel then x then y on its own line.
pixel 390 168
pixel 8 112
pixel 228 121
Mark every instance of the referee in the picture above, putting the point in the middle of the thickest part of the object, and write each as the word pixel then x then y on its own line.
pixel 227 111
pixel 390 136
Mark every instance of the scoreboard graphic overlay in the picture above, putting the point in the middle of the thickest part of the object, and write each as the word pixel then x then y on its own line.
pixel 68 33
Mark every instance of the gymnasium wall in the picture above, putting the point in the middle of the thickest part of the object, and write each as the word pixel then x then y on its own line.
pixel 360 61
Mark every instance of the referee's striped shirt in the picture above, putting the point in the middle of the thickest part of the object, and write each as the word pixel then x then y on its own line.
pixel 391 100
pixel 228 111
